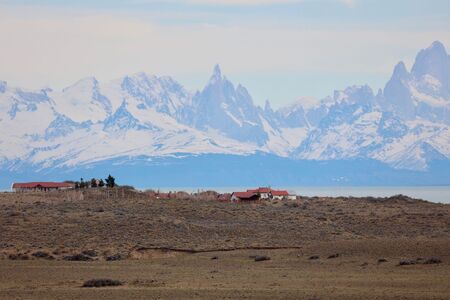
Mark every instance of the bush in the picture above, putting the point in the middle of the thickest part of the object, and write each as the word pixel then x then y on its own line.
pixel 18 256
pixel 333 255
pixel 314 257
pixel 77 257
pixel 432 260
pixel 114 257
pixel 406 262
pixel 261 258
pixel 102 283
pixel 42 254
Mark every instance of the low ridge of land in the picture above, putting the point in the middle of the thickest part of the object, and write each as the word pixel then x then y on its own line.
pixel 198 247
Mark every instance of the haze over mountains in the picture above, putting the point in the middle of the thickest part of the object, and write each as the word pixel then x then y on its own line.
pixel 406 125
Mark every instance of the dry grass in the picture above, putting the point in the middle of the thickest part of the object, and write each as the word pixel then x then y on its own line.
pixel 365 240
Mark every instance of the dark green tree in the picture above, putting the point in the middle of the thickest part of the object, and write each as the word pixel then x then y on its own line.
pixel 110 181
pixel 82 183
pixel 93 183
pixel 101 183
pixel 77 185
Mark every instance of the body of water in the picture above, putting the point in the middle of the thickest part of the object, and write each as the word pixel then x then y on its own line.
pixel 440 194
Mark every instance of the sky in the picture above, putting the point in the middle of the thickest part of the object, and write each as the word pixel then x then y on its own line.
pixel 281 50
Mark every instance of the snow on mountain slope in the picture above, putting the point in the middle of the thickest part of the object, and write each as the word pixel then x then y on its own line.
pixel 349 130
pixel 407 125
pixel 425 92
pixel 23 116
pixel 82 101
pixel 94 144
pixel 222 107
pixel 162 93
pixel 423 141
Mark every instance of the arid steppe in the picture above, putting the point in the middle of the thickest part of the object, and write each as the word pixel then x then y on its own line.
pixel 198 247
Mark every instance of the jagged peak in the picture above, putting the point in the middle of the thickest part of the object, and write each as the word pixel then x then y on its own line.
pixel 379 93
pixel 437 46
pixel 400 71
pixel 433 60
pixel 216 76
pixel 217 70
pixel 3 85
pixel 267 106
pixel 436 49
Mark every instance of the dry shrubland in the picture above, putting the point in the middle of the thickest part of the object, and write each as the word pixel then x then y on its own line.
pixel 114 222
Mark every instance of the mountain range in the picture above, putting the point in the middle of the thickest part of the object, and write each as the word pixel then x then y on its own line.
pixel 141 117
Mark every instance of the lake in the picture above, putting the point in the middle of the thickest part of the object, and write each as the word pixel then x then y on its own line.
pixel 439 194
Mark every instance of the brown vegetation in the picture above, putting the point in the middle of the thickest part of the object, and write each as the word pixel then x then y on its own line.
pixel 197 247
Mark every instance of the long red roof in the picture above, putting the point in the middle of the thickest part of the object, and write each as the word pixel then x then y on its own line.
pixel 31 185
pixel 244 195
pixel 280 193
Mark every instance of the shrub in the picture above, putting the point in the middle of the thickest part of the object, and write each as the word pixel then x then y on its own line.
pixel 42 254
pixel 18 256
pixel 114 257
pixel 77 257
pixel 406 262
pixel 261 258
pixel 102 283
pixel 314 257
pixel 333 255
pixel 432 260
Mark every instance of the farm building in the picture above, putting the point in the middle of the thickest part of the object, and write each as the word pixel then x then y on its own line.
pixel 41 186
pixel 279 195
pixel 244 196
pixel 262 193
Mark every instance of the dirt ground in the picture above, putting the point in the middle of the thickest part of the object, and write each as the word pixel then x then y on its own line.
pixel 319 248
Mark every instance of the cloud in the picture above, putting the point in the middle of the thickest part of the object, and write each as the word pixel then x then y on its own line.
pixel 245 2
pixel 56 48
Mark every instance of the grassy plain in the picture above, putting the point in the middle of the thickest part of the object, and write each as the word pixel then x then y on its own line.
pixel 204 249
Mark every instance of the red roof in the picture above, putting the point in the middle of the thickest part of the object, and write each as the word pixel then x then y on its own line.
pixel 260 190
pixel 280 193
pixel 32 185
pixel 244 195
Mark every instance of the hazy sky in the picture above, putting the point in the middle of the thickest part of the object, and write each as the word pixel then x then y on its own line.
pixel 279 49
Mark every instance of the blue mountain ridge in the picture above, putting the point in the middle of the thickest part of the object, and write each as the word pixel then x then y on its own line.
pixel 218 170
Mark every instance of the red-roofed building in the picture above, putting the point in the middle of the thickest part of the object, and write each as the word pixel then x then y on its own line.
pixel 263 193
pixel 41 186
pixel 279 195
pixel 244 196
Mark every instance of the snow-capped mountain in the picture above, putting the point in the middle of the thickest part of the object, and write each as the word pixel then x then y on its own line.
pixel 230 111
pixel 425 91
pixel 406 125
